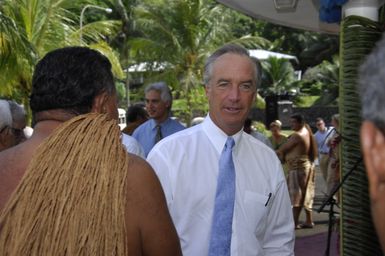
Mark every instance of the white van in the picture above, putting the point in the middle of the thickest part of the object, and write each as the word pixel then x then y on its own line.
pixel 122 118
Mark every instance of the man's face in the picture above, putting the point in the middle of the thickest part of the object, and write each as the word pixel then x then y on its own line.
pixel 295 125
pixel 274 130
pixel 155 106
pixel 231 91
pixel 320 125
pixel 373 149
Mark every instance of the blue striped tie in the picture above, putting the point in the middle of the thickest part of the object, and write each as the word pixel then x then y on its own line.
pixel 221 228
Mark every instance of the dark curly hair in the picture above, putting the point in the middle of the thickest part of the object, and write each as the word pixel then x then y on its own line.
pixel 69 79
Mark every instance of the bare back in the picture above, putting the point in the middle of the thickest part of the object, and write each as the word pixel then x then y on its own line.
pixel 298 144
pixel 149 224
pixel 13 163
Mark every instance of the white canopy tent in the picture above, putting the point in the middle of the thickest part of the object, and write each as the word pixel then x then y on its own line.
pixel 302 14
pixel 258 53
pixel 264 54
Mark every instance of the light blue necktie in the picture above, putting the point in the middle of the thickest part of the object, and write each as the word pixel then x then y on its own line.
pixel 221 228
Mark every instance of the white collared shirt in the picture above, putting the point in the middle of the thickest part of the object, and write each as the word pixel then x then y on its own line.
pixel 187 166
pixel 132 145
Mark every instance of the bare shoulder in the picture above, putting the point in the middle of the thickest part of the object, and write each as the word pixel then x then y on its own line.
pixel 13 163
pixel 295 137
pixel 139 170
pixel 299 136
pixel 147 214
pixel 143 186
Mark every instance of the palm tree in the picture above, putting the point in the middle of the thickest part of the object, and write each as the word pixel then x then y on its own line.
pixel 178 35
pixel 278 76
pixel 31 28
pixel 322 80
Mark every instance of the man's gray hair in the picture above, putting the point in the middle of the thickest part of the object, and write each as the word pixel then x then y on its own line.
pixel 17 111
pixel 5 114
pixel 372 86
pixel 234 49
pixel 165 93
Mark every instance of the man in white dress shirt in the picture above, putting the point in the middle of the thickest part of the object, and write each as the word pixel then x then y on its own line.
pixel 187 166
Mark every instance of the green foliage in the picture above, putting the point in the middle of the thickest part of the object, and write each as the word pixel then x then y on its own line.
pixel 322 80
pixel 260 102
pixel 121 92
pixel 174 37
pixel 260 127
pixel 31 28
pixel 180 35
pixel 197 105
pixel 305 101
pixel 277 77
pixel 311 48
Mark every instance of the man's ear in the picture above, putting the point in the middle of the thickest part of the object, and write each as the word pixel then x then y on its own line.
pixel 373 144
pixel 168 104
pixel 373 148
pixel 207 90
pixel 99 102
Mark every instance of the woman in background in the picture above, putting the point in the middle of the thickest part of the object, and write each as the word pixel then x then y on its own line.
pixel 276 138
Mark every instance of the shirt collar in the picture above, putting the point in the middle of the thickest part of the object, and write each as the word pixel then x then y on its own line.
pixel 154 124
pixel 218 137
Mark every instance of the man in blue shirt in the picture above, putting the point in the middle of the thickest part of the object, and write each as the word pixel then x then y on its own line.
pixel 321 136
pixel 158 105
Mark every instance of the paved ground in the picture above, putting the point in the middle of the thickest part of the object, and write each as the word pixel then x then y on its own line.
pixel 314 241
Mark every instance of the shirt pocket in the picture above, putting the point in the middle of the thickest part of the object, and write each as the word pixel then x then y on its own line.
pixel 255 210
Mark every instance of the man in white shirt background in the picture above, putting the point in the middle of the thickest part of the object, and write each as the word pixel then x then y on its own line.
pixel 188 164
pixel 322 134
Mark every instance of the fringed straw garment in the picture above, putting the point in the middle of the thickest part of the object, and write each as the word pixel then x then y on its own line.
pixel 300 181
pixel 72 198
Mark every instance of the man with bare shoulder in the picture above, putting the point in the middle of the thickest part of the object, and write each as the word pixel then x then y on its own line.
pixel 75 189
pixel 299 152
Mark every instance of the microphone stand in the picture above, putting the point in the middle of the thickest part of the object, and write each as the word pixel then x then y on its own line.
pixel 331 201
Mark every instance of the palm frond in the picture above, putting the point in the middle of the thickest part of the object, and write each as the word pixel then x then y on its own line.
pixel 112 56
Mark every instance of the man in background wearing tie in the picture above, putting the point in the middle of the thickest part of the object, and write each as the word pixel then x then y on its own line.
pixel 225 190
pixel 158 105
